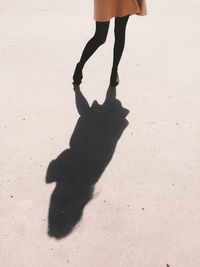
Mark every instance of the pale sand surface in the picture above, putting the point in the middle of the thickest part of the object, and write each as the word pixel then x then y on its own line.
pixel 146 209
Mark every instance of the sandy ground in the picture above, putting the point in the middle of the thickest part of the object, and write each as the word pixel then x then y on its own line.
pixel 146 206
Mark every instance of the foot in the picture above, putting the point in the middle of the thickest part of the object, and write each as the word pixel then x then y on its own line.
pixel 77 76
pixel 114 78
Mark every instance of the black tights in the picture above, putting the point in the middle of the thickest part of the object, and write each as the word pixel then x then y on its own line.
pixel 100 37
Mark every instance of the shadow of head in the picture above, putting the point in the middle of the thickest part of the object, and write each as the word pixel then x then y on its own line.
pixel 78 168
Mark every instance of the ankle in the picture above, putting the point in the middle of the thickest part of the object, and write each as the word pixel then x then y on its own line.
pixel 80 65
pixel 114 69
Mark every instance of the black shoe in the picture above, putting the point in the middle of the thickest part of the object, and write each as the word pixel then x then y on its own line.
pixel 77 76
pixel 114 78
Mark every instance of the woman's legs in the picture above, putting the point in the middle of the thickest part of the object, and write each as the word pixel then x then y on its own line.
pixel 97 40
pixel 120 31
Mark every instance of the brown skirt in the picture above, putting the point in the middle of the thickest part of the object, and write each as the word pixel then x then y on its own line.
pixel 104 10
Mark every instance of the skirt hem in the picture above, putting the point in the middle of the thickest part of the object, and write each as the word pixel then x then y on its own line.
pixel 138 14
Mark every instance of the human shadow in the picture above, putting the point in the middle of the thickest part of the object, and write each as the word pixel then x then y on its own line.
pixel 78 168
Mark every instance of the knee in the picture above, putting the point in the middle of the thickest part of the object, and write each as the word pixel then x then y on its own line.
pixel 100 39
